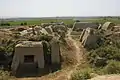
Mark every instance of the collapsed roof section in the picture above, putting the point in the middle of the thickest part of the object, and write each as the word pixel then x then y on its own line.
pixel 29 44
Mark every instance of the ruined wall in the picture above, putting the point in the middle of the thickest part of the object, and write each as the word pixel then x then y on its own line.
pixel 90 41
pixel 55 52
pixel 36 51
pixel 88 38
pixel 15 63
pixel 82 34
pixel 85 34
pixel 108 26
pixel 83 25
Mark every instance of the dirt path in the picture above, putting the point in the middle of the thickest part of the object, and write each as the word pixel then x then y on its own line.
pixel 67 74
pixel 78 54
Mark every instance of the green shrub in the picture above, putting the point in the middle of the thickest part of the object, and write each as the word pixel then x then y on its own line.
pixel 2 49
pixel 5 75
pixel 82 74
pixel 113 67
pixel 9 46
pixel 4 24
pixel 42 37
pixel 24 23
pixel 98 71
pixel 117 43
pixel 16 35
pixel 45 37
pixel 108 49
pixel 100 56
pixel 33 38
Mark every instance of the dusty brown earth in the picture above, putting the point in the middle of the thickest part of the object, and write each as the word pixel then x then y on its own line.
pixel 4 34
pixel 107 77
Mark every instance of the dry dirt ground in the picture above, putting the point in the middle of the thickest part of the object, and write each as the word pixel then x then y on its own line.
pixel 107 77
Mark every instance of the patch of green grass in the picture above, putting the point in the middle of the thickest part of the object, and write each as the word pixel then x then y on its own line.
pixel 5 75
pixel 113 67
pixel 66 21
pixel 102 20
pixel 83 74
pixel 39 21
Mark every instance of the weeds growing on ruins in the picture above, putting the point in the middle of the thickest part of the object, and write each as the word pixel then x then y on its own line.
pixel 60 48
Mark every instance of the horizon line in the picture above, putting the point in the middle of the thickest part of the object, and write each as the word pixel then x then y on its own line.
pixel 55 17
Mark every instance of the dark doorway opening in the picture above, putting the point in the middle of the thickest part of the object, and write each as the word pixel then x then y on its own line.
pixel 29 58
pixel 28 68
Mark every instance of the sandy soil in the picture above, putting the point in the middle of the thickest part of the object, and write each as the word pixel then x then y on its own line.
pixel 106 77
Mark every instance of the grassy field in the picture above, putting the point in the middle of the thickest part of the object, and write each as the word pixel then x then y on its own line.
pixel 38 22
pixel 102 20
pixel 66 21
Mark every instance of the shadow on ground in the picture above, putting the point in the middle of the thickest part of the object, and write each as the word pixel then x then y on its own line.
pixel 32 71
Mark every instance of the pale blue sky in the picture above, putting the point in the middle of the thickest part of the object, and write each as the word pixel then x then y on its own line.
pixel 50 8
